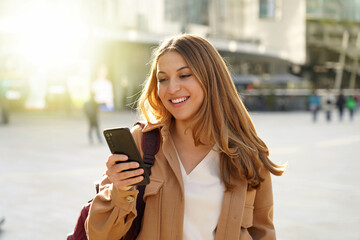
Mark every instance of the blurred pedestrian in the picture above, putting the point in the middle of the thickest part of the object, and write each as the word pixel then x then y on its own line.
pixel 2 220
pixel 261 102
pixel 351 106
pixel 91 108
pixel 357 100
pixel 328 105
pixel 314 105
pixel 340 104
pixel 103 90
pixel 211 177
pixel 5 109
pixel 4 101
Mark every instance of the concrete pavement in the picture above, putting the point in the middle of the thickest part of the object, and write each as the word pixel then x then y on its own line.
pixel 47 168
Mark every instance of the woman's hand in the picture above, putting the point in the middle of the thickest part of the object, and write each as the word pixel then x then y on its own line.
pixel 121 173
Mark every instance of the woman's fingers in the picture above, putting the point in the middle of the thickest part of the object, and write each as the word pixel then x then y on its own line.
pixel 124 166
pixel 117 163
pixel 120 176
pixel 124 180
pixel 121 173
pixel 114 158
pixel 126 184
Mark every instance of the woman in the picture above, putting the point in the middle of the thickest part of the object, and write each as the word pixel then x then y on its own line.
pixel 211 177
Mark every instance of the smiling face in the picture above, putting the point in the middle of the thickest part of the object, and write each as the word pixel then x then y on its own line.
pixel 178 88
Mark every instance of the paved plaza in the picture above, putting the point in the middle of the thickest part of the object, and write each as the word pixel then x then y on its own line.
pixel 47 170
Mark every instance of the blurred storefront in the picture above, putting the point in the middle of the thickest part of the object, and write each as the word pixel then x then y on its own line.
pixel 68 41
pixel 14 87
pixel 333 44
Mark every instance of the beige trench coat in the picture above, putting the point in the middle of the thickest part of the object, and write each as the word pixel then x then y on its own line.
pixel 244 215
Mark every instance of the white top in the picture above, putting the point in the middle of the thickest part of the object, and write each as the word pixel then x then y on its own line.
pixel 204 193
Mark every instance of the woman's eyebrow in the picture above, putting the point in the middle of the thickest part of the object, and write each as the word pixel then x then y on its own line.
pixel 176 70
pixel 182 68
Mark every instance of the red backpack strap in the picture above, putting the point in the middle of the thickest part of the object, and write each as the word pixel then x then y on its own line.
pixel 150 145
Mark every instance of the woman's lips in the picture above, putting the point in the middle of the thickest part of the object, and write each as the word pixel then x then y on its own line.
pixel 178 101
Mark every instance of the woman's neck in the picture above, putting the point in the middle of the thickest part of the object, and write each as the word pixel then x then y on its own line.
pixel 182 132
pixel 190 155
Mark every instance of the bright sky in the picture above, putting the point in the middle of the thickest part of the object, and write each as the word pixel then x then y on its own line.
pixel 49 38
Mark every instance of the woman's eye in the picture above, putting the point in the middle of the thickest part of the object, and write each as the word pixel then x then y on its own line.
pixel 185 75
pixel 161 80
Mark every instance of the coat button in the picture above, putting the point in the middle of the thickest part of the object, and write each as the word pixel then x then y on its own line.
pixel 130 198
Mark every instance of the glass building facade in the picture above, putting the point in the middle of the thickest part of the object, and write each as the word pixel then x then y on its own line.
pixel 338 10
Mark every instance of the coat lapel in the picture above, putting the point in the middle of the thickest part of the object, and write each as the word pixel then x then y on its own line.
pixel 170 152
pixel 171 156
pixel 229 225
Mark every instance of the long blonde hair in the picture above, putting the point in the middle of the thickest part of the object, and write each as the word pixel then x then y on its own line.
pixel 223 120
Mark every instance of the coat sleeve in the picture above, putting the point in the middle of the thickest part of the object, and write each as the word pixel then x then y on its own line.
pixel 112 210
pixel 111 213
pixel 263 227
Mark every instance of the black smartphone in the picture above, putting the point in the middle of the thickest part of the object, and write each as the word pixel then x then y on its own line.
pixel 121 141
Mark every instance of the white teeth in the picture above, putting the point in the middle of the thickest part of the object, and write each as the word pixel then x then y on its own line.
pixel 179 100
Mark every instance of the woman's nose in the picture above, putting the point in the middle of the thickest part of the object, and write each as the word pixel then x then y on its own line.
pixel 174 86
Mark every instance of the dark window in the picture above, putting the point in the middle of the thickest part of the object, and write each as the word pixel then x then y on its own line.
pixel 267 9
